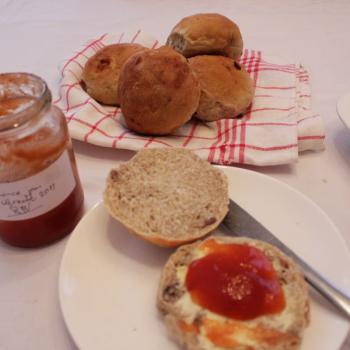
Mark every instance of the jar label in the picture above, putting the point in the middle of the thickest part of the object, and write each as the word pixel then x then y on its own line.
pixel 37 194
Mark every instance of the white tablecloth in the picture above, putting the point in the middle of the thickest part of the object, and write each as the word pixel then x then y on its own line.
pixel 36 35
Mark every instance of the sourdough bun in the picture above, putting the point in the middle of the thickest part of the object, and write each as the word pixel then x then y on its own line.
pixel 197 328
pixel 226 88
pixel 167 196
pixel 206 33
pixel 158 91
pixel 101 71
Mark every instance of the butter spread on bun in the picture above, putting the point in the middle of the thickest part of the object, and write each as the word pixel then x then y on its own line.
pixel 233 293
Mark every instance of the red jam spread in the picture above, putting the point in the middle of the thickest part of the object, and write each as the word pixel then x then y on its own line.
pixel 14 105
pixel 235 280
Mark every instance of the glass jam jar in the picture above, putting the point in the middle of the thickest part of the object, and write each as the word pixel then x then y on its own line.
pixel 41 198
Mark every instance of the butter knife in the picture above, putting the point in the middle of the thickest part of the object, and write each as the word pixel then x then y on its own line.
pixel 241 223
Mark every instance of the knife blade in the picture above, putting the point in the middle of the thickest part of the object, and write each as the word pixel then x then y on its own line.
pixel 240 223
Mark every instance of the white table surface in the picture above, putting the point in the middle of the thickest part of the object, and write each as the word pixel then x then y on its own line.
pixel 35 35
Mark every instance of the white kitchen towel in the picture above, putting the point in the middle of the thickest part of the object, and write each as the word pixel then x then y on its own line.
pixel 275 129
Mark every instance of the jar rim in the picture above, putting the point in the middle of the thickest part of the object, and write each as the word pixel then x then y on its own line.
pixel 18 85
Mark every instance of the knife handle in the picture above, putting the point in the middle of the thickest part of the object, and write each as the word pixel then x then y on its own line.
pixel 326 289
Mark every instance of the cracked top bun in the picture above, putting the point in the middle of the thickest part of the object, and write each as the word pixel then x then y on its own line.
pixel 206 33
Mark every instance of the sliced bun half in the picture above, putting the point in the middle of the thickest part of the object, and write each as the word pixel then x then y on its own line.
pixel 167 196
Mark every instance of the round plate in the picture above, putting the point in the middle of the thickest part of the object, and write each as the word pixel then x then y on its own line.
pixel 343 108
pixel 108 279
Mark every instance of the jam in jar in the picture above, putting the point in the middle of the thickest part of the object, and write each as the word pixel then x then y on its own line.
pixel 41 199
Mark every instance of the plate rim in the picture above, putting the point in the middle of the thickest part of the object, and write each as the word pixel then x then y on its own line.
pixel 228 169
pixel 340 103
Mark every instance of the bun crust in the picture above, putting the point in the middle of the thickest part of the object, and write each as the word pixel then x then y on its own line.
pixel 101 71
pixel 167 196
pixel 194 327
pixel 158 91
pixel 226 88
pixel 206 33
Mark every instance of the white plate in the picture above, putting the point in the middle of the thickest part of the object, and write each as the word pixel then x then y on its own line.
pixel 108 279
pixel 343 108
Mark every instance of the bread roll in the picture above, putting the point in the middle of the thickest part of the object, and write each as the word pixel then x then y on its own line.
pixel 197 328
pixel 158 92
pixel 101 72
pixel 226 88
pixel 167 196
pixel 206 33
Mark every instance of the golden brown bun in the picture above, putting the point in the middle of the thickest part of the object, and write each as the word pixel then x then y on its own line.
pixel 206 33
pixel 158 91
pixel 101 71
pixel 197 328
pixel 226 88
pixel 167 196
